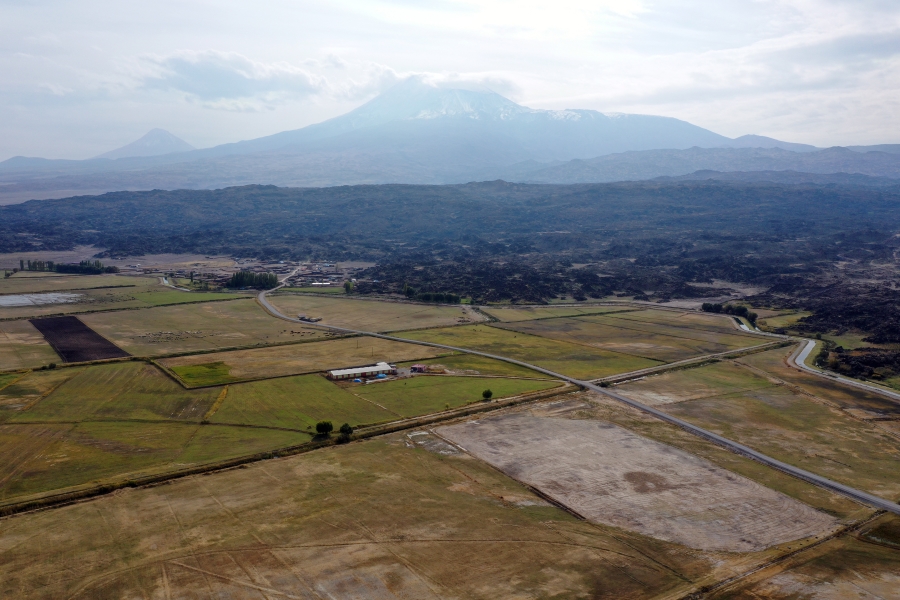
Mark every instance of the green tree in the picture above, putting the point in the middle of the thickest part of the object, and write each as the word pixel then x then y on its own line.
pixel 346 429
pixel 324 427
pixel 487 394
pixel 348 287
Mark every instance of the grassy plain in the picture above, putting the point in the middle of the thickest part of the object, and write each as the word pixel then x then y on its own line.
pixel 470 364
pixel 371 315
pixel 54 282
pixel 296 403
pixel 23 346
pixel 190 327
pixel 783 320
pixel 792 428
pixel 846 567
pixel 24 390
pixel 379 519
pixel 528 313
pixel 318 290
pixel 656 342
pixel 433 393
pixel 296 359
pixel 690 320
pixel 575 360
pixel 40 458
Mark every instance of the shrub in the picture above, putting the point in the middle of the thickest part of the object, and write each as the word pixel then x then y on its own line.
pixel 487 394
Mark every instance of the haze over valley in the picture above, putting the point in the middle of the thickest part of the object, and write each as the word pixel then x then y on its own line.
pixel 450 300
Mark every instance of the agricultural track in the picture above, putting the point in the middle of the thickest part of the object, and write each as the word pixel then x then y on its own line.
pixel 737 448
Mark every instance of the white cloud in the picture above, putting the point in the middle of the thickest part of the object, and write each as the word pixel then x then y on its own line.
pixel 224 77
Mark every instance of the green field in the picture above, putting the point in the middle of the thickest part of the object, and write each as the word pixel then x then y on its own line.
pixel 783 320
pixel 660 342
pixel 434 393
pixel 296 403
pixel 690 320
pixel 216 373
pixel 511 314
pixel 584 362
pixel 471 364
pixel 790 427
pixel 318 290
pixel 73 426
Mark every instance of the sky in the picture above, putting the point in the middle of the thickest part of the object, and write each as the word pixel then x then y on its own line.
pixel 80 78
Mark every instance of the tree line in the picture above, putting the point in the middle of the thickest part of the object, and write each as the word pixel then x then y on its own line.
pixel 85 267
pixel 249 279
pixel 738 310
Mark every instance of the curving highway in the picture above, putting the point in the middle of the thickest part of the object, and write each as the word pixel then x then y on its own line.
pixel 823 482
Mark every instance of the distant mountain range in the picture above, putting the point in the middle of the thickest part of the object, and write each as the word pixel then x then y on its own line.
pixel 421 133
pixel 155 143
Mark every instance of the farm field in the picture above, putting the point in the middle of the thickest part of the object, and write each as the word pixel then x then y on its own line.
pixel 401 516
pixel 36 282
pixel 371 315
pixel 860 567
pixel 680 320
pixel 433 393
pixel 294 359
pixel 575 360
pixel 74 341
pixel 195 327
pixel 103 293
pixel 296 403
pixel 782 320
pixel 646 486
pixel 528 313
pixel 790 427
pixel 657 342
pixel 23 346
pixel 470 364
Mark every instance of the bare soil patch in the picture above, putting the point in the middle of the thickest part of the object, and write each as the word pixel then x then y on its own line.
pixel 76 342
pixel 612 476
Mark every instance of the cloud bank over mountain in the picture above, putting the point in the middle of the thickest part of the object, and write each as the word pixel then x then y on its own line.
pixel 77 80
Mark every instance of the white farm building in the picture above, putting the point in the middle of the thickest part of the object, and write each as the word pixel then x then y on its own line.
pixel 381 368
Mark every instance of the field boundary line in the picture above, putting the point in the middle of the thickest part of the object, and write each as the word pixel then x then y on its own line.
pixel 62 291
pixel 690 363
pixel 728 582
pixel 731 445
pixel 102 310
pixel 216 405
pixel 86 493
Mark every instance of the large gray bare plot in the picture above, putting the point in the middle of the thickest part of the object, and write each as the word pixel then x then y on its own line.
pixel 612 476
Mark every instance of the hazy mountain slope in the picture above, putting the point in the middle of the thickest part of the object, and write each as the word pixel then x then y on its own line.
pixel 421 133
pixel 154 143
pixel 632 166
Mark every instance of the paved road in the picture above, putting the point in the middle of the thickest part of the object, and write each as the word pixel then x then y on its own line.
pixel 853 493
pixel 798 359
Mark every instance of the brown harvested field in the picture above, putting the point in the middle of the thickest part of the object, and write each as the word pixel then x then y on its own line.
pixel 658 342
pixel 373 315
pixel 53 282
pixel 847 568
pixel 202 326
pixel 387 518
pixel 306 358
pixel 612 476
pixel 23 346
pixel 76 342
pixel 527 313
pixel 688 319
